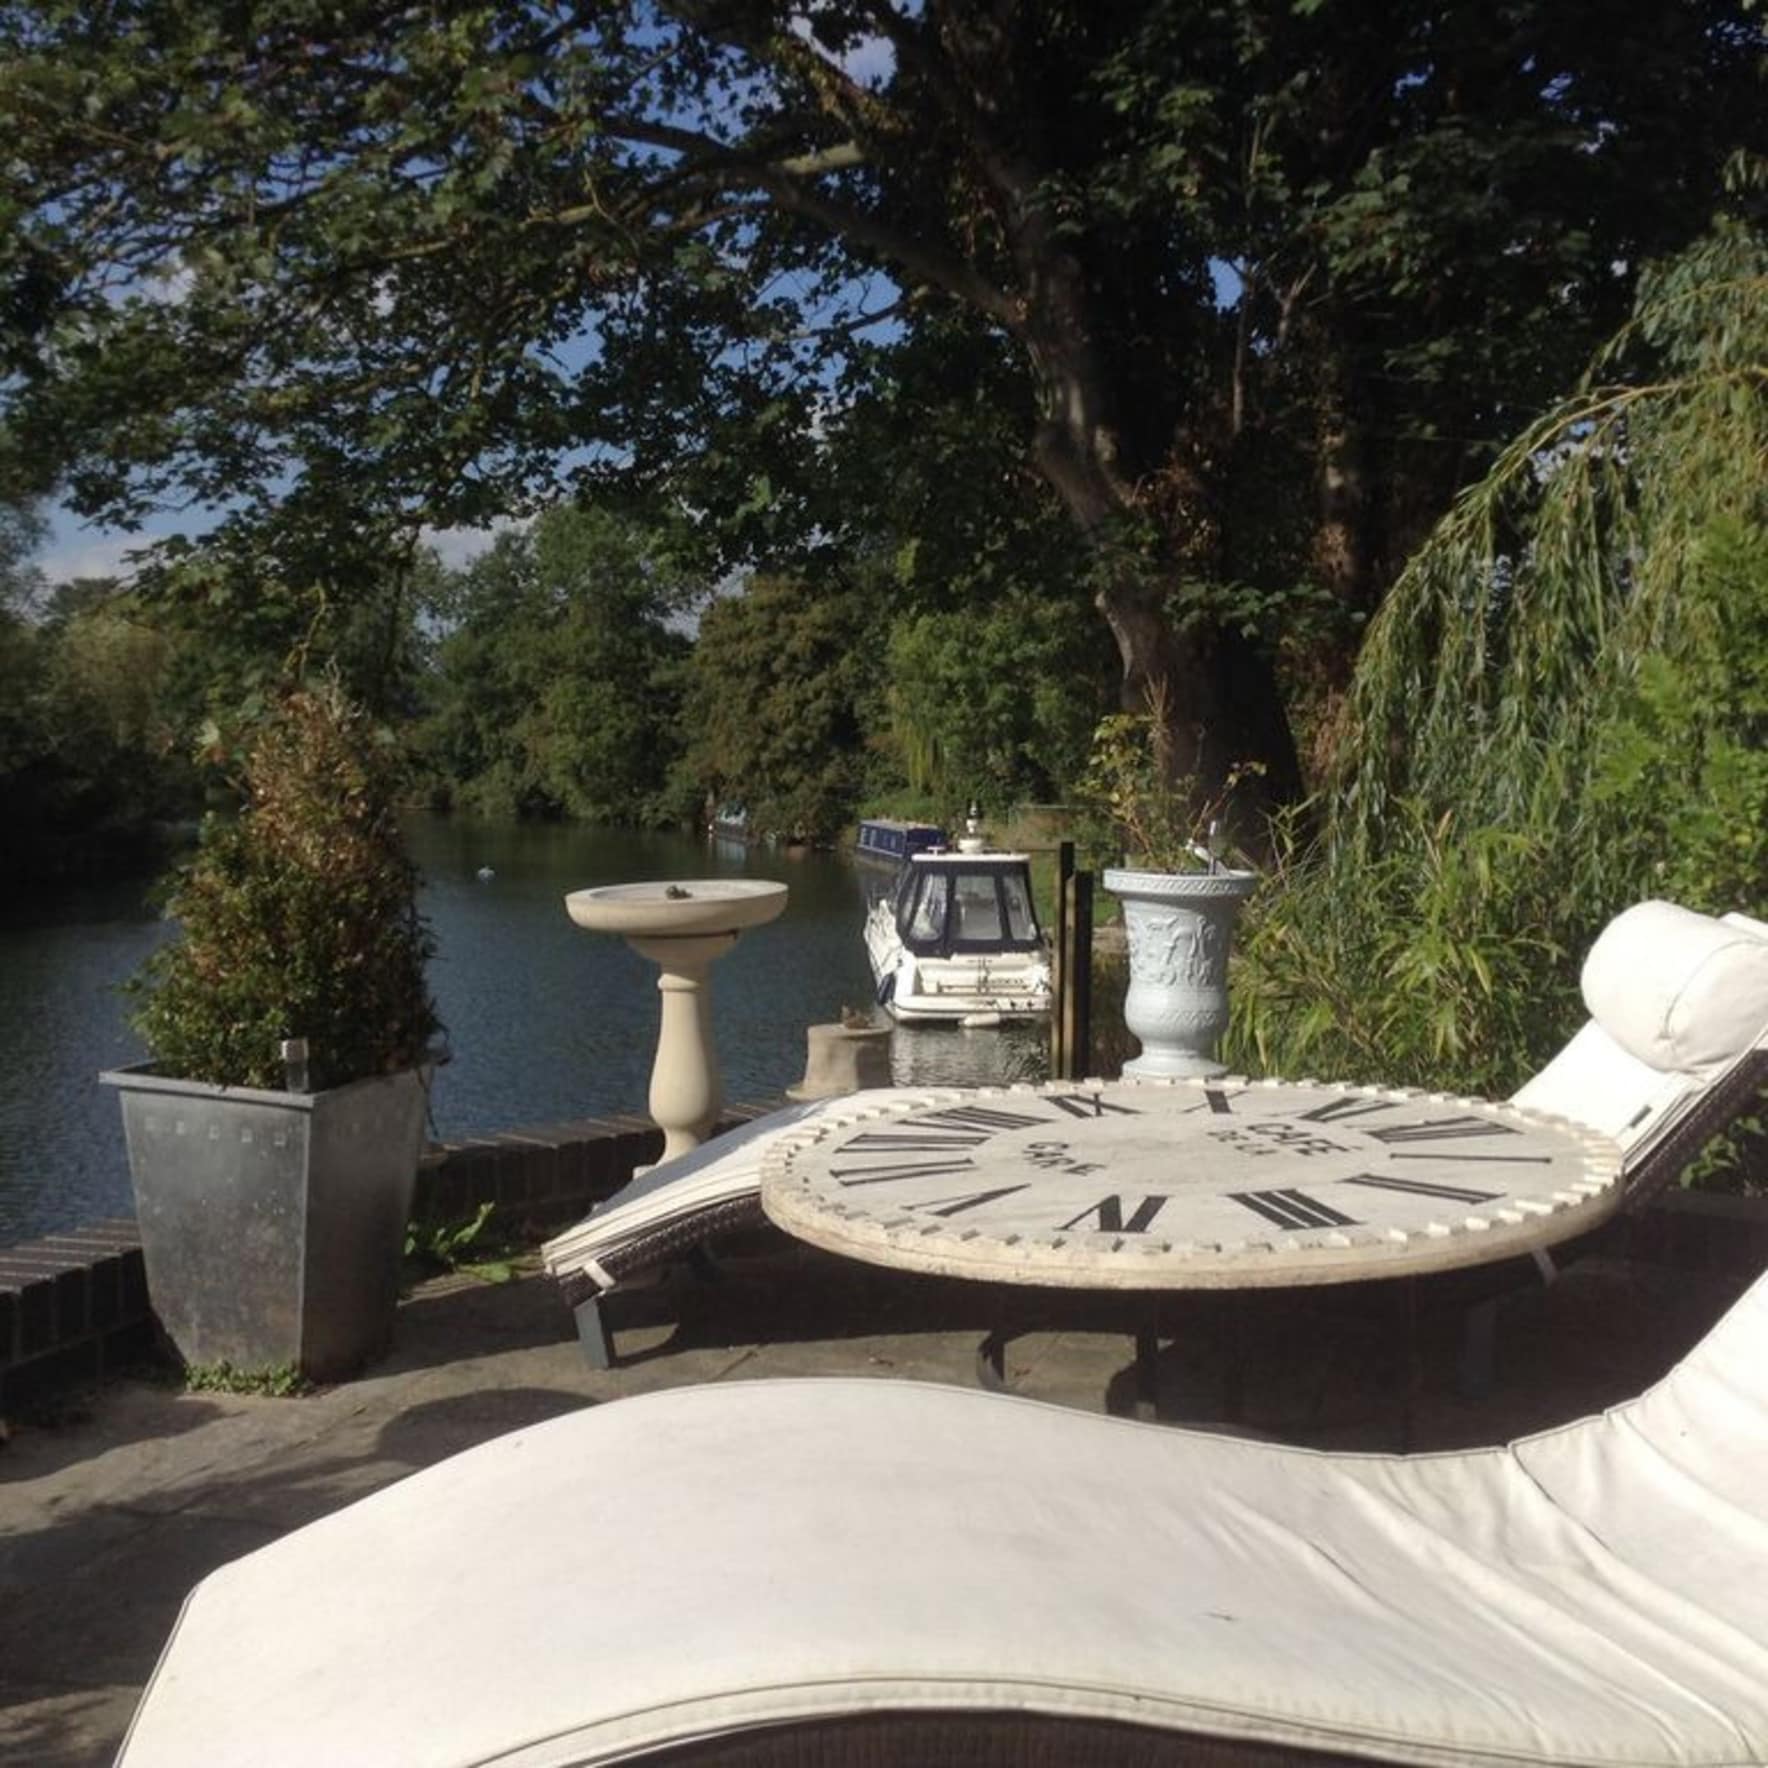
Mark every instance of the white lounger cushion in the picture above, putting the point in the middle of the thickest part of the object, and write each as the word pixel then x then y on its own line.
pixel 1675 998
pixel 1676 989
pixel 724 1168
pixel 691 1562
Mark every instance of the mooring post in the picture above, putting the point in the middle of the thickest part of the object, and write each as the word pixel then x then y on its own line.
pixel 1059 968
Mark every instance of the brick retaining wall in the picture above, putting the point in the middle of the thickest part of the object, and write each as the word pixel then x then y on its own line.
pixel 74 1305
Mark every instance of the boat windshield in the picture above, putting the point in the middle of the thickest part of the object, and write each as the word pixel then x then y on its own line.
pixel 970 908
pixel 1021 922
pixel 979 909
pixel 928 921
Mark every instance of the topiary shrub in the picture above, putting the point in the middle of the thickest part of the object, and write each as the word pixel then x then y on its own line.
pixel 299 916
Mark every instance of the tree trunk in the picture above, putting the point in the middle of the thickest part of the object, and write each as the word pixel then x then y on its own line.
pixel 1218 689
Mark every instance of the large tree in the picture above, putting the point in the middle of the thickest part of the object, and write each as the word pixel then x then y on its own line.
pixel 1244 258
pixel 556 681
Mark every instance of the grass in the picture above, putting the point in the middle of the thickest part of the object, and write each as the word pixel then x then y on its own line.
pixel 282 1381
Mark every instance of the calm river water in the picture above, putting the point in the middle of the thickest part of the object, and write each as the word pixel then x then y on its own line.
pixel 545 1021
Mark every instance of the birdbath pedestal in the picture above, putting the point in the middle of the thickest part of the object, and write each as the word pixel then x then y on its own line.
pixel 683 928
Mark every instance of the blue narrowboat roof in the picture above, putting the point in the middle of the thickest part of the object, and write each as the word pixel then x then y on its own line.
pixel 891 839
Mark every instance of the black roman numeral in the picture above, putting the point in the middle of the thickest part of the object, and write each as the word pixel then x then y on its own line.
pixel 910 1169
pixel 1109 1211
pixel 951 1206
pixel 899 1142
pixel 975 1117
pixel 1292 1209
pixel 1441 1129
pixel 1418 1188
pixel 1088 1105
pixel 1335 1109
pixel 1215 1101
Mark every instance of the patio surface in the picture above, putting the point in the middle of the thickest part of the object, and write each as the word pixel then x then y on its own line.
pixel 113 1506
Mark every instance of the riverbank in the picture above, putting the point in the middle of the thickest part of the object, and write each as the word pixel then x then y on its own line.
pixel 546 1023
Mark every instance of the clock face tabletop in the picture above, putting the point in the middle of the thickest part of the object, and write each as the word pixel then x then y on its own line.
pixel 1224 1183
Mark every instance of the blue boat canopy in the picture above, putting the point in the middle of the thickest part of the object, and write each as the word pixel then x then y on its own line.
pixel 886 838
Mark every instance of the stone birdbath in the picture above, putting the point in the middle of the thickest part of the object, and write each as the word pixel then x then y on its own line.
pixel 683 928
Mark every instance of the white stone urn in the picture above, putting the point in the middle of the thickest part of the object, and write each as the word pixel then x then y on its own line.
pixel 1179 926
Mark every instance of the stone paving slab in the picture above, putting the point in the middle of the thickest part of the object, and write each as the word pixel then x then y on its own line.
pixel 109 1514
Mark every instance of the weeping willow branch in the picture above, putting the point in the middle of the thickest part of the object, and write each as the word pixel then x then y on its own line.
pixel 1535 600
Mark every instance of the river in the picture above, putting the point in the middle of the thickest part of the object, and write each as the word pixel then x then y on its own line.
pixel 545 1021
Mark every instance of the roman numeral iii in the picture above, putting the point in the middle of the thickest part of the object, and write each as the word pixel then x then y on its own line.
pixel 1292 1209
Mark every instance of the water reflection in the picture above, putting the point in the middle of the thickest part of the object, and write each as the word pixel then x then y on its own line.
pixel 950 1056
pixel 546 1021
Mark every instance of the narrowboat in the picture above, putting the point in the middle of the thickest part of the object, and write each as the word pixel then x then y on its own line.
pixel 890 842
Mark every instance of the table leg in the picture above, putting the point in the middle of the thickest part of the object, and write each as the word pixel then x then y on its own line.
pixel 1148 1361
pixel 1411 1367
pixel 991 1361
pixel 1234 1359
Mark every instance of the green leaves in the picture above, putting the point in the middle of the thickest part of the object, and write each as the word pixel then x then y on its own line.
pixel 297 919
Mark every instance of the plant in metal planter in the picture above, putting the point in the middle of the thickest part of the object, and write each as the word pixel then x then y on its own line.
pixel 1180 899
pixel 275 1133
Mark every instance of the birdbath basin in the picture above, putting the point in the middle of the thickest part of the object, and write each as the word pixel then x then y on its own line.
pixel 672 911
pixel 682 928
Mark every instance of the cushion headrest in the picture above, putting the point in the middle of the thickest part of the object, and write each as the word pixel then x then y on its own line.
pixel 1676 989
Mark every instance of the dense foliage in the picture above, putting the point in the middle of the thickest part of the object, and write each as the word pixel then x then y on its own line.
pixel 298 917
pixel 772 713
pixel 1260 285
pixel 1562 709
pixel 557 677
pixel 91 756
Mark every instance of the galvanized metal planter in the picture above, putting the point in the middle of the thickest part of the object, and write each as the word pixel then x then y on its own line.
pixel 272 1224
pixel 1180 926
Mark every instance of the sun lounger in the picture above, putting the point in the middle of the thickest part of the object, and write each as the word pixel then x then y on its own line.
pixel 878 1572
pixel 1678 1023
pixel 677 1207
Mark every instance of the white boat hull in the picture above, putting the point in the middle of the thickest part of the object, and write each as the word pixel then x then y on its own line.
pixel 967 989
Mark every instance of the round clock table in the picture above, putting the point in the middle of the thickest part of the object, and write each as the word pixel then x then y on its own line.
pixel 1178 1184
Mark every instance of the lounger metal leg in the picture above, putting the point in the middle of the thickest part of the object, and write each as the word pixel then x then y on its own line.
pixel 593 1333
pixel 1234 1307
pixel 1148 1365
pixel 991 1361
pixel 1412 1366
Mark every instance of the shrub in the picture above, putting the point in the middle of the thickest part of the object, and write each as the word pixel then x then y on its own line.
pixel 299 916
pixel 1442 960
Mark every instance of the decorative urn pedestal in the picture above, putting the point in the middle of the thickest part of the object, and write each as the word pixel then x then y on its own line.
pixel 1180 926
pixel 273 1224
pixel 683 928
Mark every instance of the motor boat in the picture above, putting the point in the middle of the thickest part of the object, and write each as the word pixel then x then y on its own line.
pixel 956 941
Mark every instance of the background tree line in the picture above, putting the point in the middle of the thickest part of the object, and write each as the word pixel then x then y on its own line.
pixel 570 670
